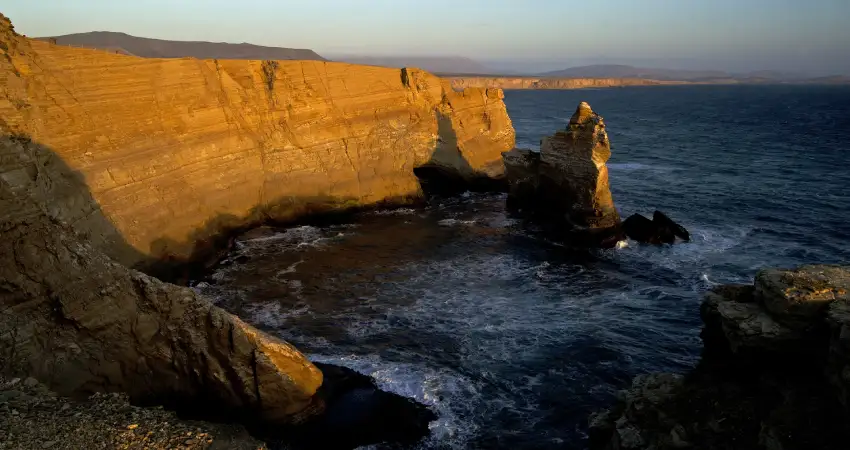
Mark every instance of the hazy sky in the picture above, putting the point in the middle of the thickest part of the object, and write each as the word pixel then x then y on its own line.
pixel 795 35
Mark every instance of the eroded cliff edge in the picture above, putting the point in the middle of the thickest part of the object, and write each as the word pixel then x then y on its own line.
pixel 110 161
pixel 174 151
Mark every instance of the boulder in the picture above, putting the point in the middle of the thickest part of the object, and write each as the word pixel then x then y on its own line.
pixel 800 298
pixel 670 227
pixel 775 373
pixel 660 230
pixel 566 182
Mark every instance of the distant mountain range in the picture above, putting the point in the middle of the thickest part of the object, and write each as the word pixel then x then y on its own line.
pixel 159 48
pixel 447 66
pixel 624 71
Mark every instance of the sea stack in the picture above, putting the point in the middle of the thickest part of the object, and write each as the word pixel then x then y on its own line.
pixel 566 183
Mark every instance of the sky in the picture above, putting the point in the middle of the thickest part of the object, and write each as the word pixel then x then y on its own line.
pixel 810 36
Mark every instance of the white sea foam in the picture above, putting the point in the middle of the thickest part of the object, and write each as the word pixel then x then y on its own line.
pixel 452 396
pixel 452 222
pixel 291 268
pixel 395 212
pixel 271 314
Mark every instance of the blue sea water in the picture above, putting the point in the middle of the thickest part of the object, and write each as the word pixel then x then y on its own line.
pixel 514 340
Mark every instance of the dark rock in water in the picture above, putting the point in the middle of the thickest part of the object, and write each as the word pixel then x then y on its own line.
pixel 660 230
pixel 566 184
pixel 358 413
pixel 774 373
pixel 641 229
pixel 670 226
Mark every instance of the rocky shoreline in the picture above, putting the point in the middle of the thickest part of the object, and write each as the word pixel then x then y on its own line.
pixel 83 201
pixel 775 373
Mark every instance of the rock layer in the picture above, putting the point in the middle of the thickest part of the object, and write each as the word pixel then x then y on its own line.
pixel 566 182
pixel 176 151
pixel 108 159
pixel 774 373
pixel 72 317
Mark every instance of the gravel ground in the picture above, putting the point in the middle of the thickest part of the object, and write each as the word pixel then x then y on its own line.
pixel 32 417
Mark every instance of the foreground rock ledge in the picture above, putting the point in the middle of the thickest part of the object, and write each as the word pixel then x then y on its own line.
pixel 33 417
pixel 83 323
pixel 775 373
pixel 565 184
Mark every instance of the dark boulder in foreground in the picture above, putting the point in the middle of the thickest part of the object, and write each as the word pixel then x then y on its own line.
pixel 565 184
pixel 358 413
pixel 774 373
pixel 660 230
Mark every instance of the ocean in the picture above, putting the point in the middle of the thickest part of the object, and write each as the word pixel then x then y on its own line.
pixel 514 340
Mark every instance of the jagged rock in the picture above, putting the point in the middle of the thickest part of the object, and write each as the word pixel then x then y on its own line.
pixel 800 298
pixel 839 348
pixel 566 183
pixel 660 230
pixel 748 326
pixel 670 227
pixel 760 382
pixel 641 229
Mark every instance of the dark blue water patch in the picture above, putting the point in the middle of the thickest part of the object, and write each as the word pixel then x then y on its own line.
pixel 514 340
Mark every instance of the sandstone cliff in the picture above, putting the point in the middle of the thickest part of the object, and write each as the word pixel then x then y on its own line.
pixel 108 159
pixel 176 150
pixel 566 182
pixel 551 83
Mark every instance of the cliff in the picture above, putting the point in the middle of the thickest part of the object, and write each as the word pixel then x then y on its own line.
pixel 108 159
pixel 175 151
pixel 550 83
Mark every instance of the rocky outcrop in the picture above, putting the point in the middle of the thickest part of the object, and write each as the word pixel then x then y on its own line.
pixel 774 373
pixel 565 184
pixel 660 230
pixel 552 83
pixel 74 318
pixel 177 151
pixel 107 159
pixel 33 417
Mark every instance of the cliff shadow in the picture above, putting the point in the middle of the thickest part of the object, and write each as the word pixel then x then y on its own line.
pixel 447 172
pixel 38 179
pixel 35 182
pixel 205 246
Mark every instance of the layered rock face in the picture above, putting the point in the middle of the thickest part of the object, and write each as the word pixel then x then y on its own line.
pixel 74 318
pixel 108 159
pixel 175 151
pixel 566 182
pixel 775 372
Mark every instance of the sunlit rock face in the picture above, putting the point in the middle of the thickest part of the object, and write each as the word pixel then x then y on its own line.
pixel 566 182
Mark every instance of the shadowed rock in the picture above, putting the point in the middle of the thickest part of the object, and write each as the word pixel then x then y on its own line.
pixel 773 374
pixel 660 230
pixel 122 179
